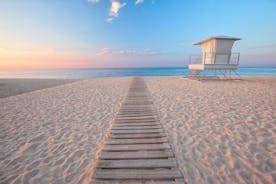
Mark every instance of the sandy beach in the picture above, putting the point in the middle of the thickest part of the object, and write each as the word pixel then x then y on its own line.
pixel 53 135
pixel 220 131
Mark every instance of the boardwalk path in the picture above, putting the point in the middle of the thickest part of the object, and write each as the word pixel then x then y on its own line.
pixel 137 150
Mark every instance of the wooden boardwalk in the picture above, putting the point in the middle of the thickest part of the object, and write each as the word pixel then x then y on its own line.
pixel 137 150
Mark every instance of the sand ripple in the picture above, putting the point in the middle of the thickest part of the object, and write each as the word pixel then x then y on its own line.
pixel 222 132
pixel 53 135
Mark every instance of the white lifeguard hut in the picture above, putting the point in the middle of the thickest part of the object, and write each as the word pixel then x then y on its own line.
pixel 216 57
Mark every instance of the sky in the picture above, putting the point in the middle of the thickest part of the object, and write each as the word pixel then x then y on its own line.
pixel 43 34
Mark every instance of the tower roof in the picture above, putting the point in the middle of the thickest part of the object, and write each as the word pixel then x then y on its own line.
pixel 217 38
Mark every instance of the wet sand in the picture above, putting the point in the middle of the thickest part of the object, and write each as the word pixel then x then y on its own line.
pixel 11 87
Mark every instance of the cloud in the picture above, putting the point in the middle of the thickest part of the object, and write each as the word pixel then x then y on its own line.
pixel 93 1
pixel 139 1
pixel 109 19
pixel 144 52
pixel 115 8
pixel 103 52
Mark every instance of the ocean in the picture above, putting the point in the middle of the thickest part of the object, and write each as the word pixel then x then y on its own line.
pixel 90 73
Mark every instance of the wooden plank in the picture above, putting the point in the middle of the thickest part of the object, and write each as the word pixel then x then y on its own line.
pixel 136 124
pixel 137 107
pixel 136 147
pixel 137 136
pixel 136 117
pixel 139 100
pixel 143 118
pixel 141 96
pixel 137 141
pixel 137 131
pixel 137 182
pixel 137 104
pixel 136 155
pixel 136 127
pixel 137 164
pixel 143 101
pixel 136 114
pixel 136 110
pixel 136 174
pixel 136 121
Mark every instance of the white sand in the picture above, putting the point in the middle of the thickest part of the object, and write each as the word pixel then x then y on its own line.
pixel 222 132
pixel 53 135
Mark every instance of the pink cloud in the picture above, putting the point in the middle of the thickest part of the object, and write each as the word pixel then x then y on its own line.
pixel 144 52
pixel 115 8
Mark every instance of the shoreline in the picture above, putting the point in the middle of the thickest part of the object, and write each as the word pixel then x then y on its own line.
pixel 13 87
pixel 16 86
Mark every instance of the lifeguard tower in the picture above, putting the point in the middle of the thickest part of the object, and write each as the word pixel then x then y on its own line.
pixel 216 58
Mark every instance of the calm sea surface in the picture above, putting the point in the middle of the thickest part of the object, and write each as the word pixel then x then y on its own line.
pixel 121 72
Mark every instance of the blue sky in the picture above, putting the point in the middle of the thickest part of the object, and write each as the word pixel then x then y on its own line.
pixel 130 33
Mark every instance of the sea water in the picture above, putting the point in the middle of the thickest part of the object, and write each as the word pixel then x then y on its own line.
pixel 89 73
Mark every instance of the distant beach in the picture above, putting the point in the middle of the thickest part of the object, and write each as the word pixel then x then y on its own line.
pixel 11 87
pixel 221 132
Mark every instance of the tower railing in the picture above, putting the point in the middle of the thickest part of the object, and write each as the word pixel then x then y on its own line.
pixel 213 57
